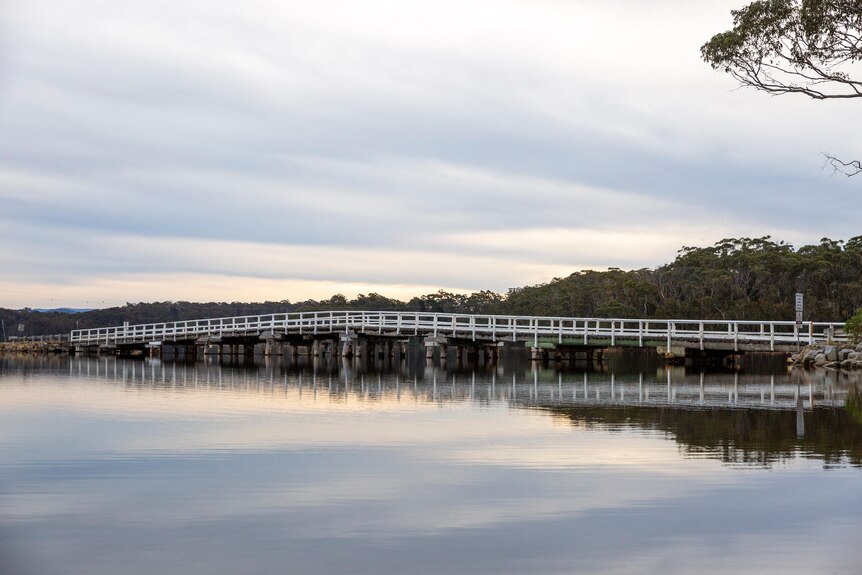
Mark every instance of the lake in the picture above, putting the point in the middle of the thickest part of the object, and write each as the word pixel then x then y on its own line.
pixel 142 466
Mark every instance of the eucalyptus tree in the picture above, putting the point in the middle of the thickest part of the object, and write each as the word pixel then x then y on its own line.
pixel 803 47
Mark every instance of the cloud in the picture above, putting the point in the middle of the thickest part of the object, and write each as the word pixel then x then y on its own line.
pixel 536 137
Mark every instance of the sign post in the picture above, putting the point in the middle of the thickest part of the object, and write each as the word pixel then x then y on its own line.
pixel 799 306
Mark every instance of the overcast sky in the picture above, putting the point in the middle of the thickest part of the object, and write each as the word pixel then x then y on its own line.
pixel 207 150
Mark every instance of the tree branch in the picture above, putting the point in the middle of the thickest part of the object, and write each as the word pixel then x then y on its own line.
pixel 849 169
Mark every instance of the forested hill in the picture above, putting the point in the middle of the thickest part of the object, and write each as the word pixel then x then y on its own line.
pixel 746 278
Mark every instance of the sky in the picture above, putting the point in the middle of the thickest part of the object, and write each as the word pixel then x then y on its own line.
pixel 270 150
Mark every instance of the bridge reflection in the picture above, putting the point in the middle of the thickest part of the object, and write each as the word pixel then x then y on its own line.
pixel 735 417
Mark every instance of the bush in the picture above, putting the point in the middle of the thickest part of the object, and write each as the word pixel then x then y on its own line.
pixel 854 326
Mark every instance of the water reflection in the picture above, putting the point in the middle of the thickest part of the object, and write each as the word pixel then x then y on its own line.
pixel 140 466
pixel 738 418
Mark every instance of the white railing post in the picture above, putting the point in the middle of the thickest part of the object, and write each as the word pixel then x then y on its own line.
pixel 669 329
pixel 735 336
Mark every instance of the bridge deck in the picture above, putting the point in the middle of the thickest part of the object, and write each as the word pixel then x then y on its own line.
pixel 533 330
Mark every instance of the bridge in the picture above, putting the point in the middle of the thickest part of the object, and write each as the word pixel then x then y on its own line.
pixel 353 333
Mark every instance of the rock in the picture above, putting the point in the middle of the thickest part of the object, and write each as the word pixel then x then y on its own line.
pixel 820 359
pixel 854 355
pixel 848 364
pixel 832 365
pixel 844 354
pixel 831 353
pixel 859 348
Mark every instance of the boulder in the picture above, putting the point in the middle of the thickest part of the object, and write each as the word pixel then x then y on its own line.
pixel 820 359
pixel 848 364
pixel 854 355
pixel 832 365
pixel 831 352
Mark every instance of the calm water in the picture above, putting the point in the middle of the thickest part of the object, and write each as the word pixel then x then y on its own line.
pixel 137 466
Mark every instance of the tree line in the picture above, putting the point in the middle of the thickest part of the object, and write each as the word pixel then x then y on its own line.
pixel 737 278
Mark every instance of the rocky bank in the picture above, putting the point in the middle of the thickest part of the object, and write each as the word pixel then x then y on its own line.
pixel 34 347
pixel 843 356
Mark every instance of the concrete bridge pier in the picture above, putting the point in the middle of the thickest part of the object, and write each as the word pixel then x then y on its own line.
pixel 399 350
pixel 348 343
pixel 273 346
pixel 186 352
pixel 489 353
pixel 362 350
pixel 444 355
pixel 438 345
pixel 378 350
pixel 327 347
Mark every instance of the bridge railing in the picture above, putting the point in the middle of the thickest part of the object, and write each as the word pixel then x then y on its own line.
pixel 468 326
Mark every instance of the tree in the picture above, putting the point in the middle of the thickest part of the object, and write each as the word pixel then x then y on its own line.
pixel 794 47
pixel 854 326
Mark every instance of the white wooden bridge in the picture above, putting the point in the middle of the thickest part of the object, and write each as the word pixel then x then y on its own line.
pixel 537 332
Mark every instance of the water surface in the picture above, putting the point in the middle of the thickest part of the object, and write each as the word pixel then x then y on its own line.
pixel 139 466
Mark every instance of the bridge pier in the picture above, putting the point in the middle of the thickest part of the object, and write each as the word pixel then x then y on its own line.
pixel 273 346
pixel 348 343
pixel 438 345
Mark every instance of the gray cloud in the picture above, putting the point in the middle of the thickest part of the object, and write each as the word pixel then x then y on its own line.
pixel 393 127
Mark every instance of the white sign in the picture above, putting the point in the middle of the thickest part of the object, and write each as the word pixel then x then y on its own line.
pixel 799 317
pixel 798 302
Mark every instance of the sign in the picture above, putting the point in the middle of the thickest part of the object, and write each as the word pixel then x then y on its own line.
pixel 799 317
pixel 798 302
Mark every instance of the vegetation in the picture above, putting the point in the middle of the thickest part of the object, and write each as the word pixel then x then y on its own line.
pixel 745 278
pixel 794 47
pixel 741 436
pixel 854 326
